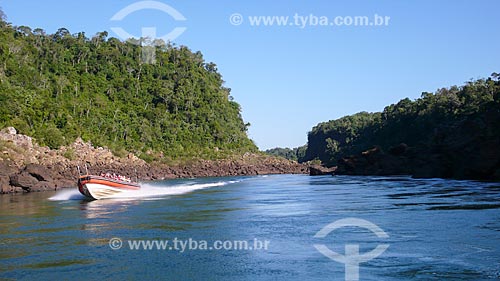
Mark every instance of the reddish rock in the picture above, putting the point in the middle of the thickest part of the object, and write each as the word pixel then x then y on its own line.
pixel 317 170
pixel 23 180
pixel 43 186
pixel 4 184
pixel 373 162
pixel 54 169
pixel 39 172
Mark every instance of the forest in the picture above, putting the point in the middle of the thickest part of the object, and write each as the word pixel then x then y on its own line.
pixel 425 122
pixel 454 124
pixel 58 87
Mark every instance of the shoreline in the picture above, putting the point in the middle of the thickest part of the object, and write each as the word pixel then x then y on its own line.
pixel 37 178
pixel 27 167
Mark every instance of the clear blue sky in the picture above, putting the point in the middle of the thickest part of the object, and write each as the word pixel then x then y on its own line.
pixel 286 78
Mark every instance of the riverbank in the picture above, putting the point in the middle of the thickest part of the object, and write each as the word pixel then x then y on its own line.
pixel 27 167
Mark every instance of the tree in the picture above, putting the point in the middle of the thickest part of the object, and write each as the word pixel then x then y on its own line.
pixel 495 76
pixel 61 33
pixel 25 30
pixel 3 17
pixel 99 38
pixel 39 32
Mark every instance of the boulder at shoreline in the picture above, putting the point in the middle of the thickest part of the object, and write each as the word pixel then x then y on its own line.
pixel 27 167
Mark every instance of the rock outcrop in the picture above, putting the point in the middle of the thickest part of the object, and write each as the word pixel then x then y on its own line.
pixel 7 169
pixel 26 167
pixel 458 159
pixel 318 170
pixel 376 162
pixel 467 148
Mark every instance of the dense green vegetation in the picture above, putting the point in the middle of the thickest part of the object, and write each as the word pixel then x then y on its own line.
pixel 287 153
pixel 293 154
pixel 417 122
pixel 57 87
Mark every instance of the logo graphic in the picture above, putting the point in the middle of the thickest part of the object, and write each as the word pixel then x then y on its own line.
pixel 115 243
pixel 352 258
pixel 148 38
pixel 236 19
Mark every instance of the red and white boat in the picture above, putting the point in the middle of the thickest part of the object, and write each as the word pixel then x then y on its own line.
pixel 100 187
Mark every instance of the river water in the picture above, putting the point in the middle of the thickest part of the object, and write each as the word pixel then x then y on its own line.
pixel 258 228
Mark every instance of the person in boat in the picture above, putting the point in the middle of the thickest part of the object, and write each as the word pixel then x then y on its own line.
pixel 115 177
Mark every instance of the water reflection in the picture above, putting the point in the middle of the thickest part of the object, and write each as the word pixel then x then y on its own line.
pixel 101 216
pixel 105 208
pixel 26 204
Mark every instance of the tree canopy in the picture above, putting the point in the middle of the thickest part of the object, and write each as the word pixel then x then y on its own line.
pixel 410 122
pixel 57 87
pixel 287 153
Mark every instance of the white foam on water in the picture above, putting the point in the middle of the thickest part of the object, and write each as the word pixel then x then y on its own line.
pixel 154 190
pixel 150 191
pixel 67 194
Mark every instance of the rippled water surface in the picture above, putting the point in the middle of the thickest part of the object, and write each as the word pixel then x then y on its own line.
pixel 437 230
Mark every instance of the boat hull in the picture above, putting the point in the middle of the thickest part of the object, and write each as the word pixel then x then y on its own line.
pixel 96 187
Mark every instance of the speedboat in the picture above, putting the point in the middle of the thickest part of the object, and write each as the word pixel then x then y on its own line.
pixel 104 186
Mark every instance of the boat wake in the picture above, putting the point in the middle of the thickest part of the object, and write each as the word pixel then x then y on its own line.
pixel 67 194
pixel 147 192
pixel 155 190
